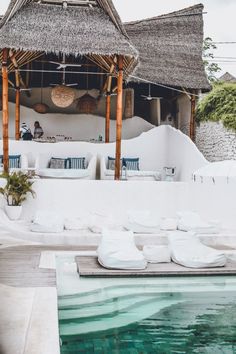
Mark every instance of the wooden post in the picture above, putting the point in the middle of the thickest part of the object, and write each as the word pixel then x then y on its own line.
pixel 108 108
pixel 17 112
pixel 108 117
pixel 119 111
pixel 192 118
pixel 17 106
pixel 5 112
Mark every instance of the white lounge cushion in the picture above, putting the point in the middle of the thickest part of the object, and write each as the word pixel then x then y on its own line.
pixel 188 251
pixel 169 224
pixel 157 254
pixel 117 250
pixel 143 222
pixel 190 221
pixel 76 223
pixel 150 175
pixel 47 222
pixel 99 221
pixel 63 173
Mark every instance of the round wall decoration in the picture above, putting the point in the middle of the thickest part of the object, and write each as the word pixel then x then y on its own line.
pixel 62 96
pixel 41 108
pixel 86 104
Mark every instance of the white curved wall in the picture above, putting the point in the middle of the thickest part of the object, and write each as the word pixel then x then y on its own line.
pixel 159 147
pixel 78 126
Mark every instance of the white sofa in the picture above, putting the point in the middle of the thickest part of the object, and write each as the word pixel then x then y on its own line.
pixel 129 174
pixel 23 164
pixel 43 170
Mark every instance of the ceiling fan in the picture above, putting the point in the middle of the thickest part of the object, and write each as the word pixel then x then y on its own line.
pixel 150 97
pixel 20 89
pixel 63 66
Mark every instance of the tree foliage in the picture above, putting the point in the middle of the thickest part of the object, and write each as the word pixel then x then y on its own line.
pixel 211 68
pixel 219 105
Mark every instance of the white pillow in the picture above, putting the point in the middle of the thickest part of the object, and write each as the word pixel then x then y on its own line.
pixel 47 222
pixel 169 224
pixel 157 254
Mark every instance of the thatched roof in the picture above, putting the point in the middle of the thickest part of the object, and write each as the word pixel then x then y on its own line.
pixel 76 30
pixel 227 77
pixel 170 48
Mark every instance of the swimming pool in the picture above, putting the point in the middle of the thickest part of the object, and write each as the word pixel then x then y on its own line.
pixel 145 315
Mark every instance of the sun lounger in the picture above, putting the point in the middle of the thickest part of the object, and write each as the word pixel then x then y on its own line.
pixel 143 222
pixel 47 222
pixel 117 250
pixel 188 251
pixel 190 221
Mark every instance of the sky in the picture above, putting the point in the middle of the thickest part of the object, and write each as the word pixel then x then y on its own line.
pixel 219 21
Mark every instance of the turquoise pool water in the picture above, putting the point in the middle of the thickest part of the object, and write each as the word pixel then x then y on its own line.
pixel 145 315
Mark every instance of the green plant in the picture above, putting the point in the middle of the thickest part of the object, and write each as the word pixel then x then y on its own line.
pixel 18 185
pixel 219 105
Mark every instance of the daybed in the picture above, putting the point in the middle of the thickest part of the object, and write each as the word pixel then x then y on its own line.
pixel 140 174
pixel 17 162
pixel 45 169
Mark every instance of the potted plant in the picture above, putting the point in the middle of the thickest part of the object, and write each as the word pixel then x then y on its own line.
pixel 15 191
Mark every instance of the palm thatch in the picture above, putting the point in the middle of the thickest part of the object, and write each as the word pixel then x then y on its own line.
pixel 76 31
pixel 170 48
pixel 227 77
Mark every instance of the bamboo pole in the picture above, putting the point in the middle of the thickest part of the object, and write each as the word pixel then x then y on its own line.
pixel 108 110
pixel 119 109
pixel 192 118
pixel 5 112
pixel 17 116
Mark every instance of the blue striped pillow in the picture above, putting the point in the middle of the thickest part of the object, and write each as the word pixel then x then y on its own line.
pixel 14 161
pixel 77 163
pixel 131 163
pixel 112 163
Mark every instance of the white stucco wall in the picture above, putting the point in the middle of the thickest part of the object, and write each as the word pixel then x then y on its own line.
pixel 78 126
pixel 215 141
pixel 159 147
pixel 74 198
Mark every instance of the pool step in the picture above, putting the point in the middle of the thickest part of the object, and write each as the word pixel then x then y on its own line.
pixel 105 295
pixel 108 308
pixel 120 320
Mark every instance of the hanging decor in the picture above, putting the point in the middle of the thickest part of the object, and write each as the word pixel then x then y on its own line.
pixel 41 107
pixel 87 104
pixel 63 96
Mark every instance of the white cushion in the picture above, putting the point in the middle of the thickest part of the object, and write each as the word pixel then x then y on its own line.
pixel 143 222
pixel 157 254
pixel 117 250
pixel 77 223
pixel 63 173
pixel 48 222
pixel 190 221
pixel 188 251
pixel 99 221
pixel 169 224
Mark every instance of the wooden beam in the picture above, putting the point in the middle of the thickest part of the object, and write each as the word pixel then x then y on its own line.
pixel 192 118
pixel 16 66
pixel 5 111
pixel 119 111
